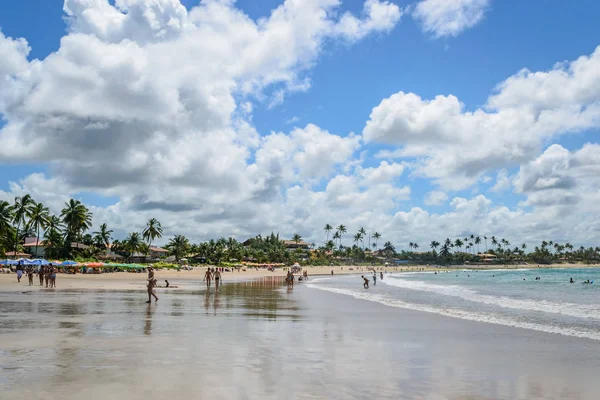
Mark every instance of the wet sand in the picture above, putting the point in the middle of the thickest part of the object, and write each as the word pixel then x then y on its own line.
pixel 257 340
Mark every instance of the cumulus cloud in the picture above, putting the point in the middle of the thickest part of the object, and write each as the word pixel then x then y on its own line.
pixel 503 181
pixel 449 17
pixel 455 146
pixel 435 198
pixel 380 16
pixel 152 103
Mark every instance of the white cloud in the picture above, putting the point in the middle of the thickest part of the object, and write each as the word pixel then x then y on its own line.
pixel 152 104
pixel 380 16
pixel 435 198
pixel 456 147
pixel 292 120
pixel 449 17
pixel 503 181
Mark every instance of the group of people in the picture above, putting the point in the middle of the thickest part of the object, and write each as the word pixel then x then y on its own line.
pixel 213 273
pixel 46 274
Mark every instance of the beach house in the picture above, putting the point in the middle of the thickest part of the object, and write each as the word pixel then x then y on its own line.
pixel 37 248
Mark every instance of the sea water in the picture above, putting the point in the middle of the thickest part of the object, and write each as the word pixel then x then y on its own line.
pixel 506 297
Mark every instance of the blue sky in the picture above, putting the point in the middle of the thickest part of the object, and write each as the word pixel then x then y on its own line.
pixel 349 78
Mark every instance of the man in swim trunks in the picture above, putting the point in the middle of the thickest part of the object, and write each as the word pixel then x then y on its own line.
pixel 217 276
pixel 366 284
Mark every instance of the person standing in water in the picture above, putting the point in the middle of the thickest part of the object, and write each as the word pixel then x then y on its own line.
pixel 374 278
pixel 366 283
pixel 151 285
pixel 381 275
pixel 41 272
pixel 208 278
pixel 217 276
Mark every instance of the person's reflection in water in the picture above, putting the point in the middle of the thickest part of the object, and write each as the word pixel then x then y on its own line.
pixel 207 300
pixel 216 302
pixel 148 324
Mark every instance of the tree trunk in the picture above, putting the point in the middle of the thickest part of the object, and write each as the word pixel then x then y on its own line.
pixel 17 239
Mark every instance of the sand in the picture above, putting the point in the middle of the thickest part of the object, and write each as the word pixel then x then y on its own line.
pixel 255 340
pixel 193 279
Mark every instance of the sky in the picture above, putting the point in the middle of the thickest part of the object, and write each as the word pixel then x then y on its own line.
pixel 420 119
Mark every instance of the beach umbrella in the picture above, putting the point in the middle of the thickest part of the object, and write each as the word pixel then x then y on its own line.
pixel 68 263
pixel 8 262
pixel 94 264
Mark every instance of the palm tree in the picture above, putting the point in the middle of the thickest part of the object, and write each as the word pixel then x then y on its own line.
pixel 328 228
pixel 330 245
pixel 362 234
pixel 20 210
pixel 458 243
pixel 477 241
pixel 103 236
pixel 341 230
pixel 132 243
pixel 152 231
pixel 376 236
pixel 336 236
pixel 357 237
pixel 389 249
pixel 434 245
pixel 486 248
pixel 494 241
pixel 6 217
pixel 411 245
pixel 297 239
pixel 77 219
pixel 178 246
pixel 38 218
pixel 53 237
pixel 416 246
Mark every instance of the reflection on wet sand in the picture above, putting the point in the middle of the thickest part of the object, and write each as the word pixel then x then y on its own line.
pixel 261 340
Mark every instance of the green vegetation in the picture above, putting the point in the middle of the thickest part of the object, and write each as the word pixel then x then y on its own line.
pixel 66 236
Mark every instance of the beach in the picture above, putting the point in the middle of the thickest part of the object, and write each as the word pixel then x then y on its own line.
pixel 94 338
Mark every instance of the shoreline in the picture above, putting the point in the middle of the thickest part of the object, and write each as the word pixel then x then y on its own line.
pixel 193 280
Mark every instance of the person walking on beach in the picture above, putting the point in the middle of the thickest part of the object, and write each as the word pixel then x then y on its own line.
pixel 47 274
pixel 53 272
pixel 217 276
pixel 30 275
pixel 19 271
pixel 151 285
pixel 208 278
pixel 366 283
pixel 41 272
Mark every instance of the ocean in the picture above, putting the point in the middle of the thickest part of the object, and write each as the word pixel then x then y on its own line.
pixel 505 297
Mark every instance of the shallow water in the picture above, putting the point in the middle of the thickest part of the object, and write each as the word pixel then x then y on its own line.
pixel 505 297
pixel 256 341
